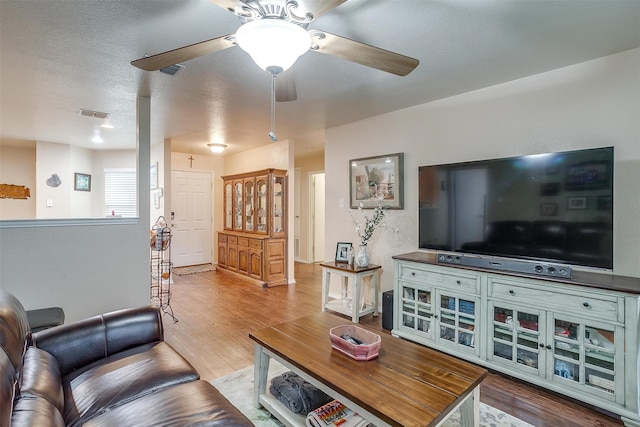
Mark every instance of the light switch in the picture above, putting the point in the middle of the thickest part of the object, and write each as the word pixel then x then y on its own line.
pixel 49 203
pixel 342 203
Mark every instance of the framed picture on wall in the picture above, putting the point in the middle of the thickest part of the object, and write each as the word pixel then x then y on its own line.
pixel 375 178
pixel 82 182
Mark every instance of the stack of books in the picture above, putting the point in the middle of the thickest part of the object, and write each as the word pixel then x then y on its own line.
pixel 335 413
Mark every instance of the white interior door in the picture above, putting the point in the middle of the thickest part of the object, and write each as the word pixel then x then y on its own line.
pixel 317 201
pixel 190 218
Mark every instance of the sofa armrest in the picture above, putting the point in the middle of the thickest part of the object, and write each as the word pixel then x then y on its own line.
pixel 80 343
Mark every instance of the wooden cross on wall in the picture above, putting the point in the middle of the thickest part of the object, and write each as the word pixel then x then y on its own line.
pixel 191 159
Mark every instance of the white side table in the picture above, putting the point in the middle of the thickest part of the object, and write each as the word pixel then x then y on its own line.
pixel 352 277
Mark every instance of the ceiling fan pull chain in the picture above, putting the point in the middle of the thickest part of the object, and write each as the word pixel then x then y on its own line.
pixel 272 134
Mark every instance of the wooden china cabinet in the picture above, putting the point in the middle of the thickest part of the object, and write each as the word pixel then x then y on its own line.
pixel 254 241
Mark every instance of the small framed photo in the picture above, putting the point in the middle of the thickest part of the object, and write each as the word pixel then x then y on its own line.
pixel 342 252
pixel 576 203
pixel 82 182
pixel 375 178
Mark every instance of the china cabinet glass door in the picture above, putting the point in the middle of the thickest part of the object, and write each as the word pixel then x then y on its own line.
pixel 417 310
pixel 228 206
pixel 237 205
pixel 278 205
pixel 261 204
pixel 249 205
pixel 515 337
pixel 586 355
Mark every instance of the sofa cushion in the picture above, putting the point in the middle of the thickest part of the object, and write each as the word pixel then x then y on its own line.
pixel 81 343
pixel 7 388
pixel 194 404
pixel 35 411
pixel 41 377
pixel 14 328
pixel 120 378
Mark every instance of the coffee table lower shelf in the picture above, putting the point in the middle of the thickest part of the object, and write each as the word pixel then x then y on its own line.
pixel 281 412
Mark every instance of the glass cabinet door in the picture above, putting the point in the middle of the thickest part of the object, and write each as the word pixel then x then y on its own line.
pixel 457 320
pixel 261 204
pixel 515 336
pixel 237 205
pixel 278 204
pixel 417 310
pixel 586 355
pixel 228 206
pixel 249 205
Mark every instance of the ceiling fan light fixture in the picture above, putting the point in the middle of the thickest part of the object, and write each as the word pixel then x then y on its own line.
pixel 273 44
pixel 217 147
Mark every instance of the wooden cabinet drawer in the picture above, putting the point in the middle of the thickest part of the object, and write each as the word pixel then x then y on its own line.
pixel 582 304
pixel 233 240
pixel 222 238
pixel 255 244
pixel 243 241
pixel 458 282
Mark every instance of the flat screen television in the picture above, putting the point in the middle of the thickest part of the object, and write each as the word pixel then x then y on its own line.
pixel 554 207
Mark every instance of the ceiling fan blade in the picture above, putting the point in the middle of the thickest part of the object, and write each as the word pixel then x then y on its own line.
pixel 362 53
pixel 286 86
pixel 182 54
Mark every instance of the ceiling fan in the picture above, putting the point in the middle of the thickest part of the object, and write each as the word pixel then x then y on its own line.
pixel 275 34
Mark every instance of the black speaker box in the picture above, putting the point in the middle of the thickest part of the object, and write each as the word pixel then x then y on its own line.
pixel 387 310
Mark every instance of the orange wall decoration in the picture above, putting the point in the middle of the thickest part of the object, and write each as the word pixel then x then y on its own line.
pixel 10 191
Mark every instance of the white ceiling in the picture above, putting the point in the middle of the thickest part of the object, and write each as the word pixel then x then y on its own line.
pixel 57 57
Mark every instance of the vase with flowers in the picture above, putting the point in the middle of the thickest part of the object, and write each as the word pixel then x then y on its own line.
pixel 365 230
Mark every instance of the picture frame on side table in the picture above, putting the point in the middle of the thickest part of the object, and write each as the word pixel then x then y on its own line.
pixel 342 251
pixel 82 182
pixel 372 177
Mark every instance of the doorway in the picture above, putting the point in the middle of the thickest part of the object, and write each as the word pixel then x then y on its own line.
pixel 191 218
pixel 316 209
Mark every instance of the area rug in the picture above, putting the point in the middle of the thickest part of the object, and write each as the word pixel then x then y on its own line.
pixel 238 388
pixel 192 269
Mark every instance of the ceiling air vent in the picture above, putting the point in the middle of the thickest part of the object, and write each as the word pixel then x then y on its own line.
pixel 172 70
pixel 91 113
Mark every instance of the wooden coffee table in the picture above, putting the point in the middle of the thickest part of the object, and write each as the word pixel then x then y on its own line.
pixel 406 385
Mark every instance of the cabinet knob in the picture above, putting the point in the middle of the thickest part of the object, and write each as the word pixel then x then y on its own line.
pixel 548 347
pixel 413 273
pixel 458 282
pixel 586 304
pixel 541 345
pixel 512 292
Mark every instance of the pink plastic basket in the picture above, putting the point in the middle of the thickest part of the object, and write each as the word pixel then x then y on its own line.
pixel 369 348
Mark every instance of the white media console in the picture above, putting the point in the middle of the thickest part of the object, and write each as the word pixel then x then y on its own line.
pixel 576 336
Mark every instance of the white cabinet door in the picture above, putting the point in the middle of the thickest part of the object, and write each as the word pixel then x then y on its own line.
pixel 516 337
pixel 586 356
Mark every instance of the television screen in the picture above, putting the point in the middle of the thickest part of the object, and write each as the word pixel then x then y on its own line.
pixel 554 207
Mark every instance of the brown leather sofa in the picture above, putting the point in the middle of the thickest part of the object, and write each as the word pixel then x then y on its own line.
pixel 108 370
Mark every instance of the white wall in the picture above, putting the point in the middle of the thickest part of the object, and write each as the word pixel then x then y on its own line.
pixel 593 104
pixel 54 158
pixel 86 268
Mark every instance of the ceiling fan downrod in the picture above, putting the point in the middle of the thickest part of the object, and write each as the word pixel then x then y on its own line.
pixel 274 71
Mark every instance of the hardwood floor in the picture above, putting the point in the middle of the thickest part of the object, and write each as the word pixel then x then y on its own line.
pixel 216 312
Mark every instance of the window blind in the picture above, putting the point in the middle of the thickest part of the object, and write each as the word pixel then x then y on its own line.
pixel 120 192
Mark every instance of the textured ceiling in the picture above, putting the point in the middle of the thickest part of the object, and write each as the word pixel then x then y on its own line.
pixel 57 57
